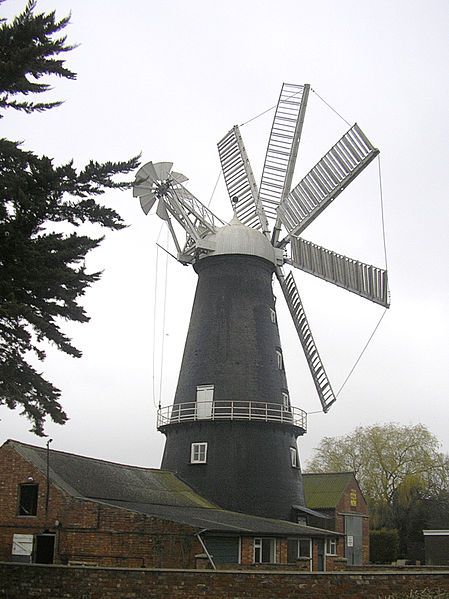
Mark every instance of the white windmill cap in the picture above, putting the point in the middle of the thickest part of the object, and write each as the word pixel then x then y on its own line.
pixel 236 238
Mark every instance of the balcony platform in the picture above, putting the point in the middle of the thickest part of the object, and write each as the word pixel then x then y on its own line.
pixel 226 410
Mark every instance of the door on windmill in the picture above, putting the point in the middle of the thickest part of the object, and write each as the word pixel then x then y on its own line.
pixel 204 401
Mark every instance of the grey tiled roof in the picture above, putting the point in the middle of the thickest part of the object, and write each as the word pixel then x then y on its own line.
pixel 218 520
pixel 149 491
pixel 91 478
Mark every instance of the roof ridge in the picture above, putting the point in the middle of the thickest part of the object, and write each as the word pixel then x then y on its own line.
pixel 84 457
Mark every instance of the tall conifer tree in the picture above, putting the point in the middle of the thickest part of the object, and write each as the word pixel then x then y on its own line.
pixel 42 272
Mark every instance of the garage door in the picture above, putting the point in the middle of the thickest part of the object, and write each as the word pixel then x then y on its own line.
pixel 224 550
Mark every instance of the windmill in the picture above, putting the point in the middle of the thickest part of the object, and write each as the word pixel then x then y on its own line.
pixel 231 431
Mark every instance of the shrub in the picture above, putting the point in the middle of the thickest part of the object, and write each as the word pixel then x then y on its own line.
pixel 383 545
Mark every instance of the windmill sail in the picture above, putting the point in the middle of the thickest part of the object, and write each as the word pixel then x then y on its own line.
pixel 322 384
pixel 240 182
pixel 363 279
pixel 327 179
pixel 282 147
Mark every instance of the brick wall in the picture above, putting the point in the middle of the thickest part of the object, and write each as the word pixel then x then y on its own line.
pixel 87 531
pixel 19 581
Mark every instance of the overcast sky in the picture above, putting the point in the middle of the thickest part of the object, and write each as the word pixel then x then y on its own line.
pixel 169 79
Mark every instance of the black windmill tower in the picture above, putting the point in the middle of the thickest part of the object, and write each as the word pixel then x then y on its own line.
pixel 231 431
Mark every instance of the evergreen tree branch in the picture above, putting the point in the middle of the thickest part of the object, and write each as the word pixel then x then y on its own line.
pixel 42 272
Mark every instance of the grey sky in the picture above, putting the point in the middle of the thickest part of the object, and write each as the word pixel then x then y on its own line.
pixel 169 79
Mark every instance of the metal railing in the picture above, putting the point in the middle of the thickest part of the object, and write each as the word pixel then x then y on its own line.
pixel 231 410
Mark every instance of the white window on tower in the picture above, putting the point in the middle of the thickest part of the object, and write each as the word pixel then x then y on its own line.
pixel 294 457
pixel 280 361
pixel 273 315
pixel 198 453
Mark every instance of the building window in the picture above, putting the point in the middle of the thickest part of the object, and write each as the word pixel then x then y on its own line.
pixel 298 548
pixel 265 551
pixel 273 315
pixel 286 400
pixel 331 546
pixel 28 500
pixel 294 457
pixel 305 548
pixel 198 453
pixel 280 361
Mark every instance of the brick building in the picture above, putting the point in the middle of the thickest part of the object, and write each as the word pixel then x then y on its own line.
pixel 90 511
pixel 338 497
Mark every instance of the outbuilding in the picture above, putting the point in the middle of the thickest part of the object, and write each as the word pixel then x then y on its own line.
pixel 58 507
pixel 436 547
pixel 338 497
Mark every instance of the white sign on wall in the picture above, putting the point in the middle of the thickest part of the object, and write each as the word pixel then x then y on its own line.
pixel 350 541
pixel 22 544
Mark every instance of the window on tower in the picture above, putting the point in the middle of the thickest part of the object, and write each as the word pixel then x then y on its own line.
pixel 280 361
pixel 294 457
pixel 273 315
pixel 198 453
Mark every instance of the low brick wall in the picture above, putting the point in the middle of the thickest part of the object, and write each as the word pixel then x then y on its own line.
pixel 69 582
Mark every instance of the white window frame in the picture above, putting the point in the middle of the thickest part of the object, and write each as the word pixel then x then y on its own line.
pixel 298 542
pixel 331 546
pixel 198 453
pixel 310 547
pixel 294 457
pixel 273 315
pixel 279 359
pixel 258 550
pixel 286 400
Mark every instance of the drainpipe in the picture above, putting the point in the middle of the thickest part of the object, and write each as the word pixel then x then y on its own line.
pixel 47 496
pixel 209 557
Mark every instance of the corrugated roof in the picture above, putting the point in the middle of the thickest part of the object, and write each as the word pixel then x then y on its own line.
pixel 324 490
pixel 149 491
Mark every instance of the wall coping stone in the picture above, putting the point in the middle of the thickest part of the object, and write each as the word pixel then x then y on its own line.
pixel 342 573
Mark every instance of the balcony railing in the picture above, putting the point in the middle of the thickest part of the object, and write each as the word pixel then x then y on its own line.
pixel 231 410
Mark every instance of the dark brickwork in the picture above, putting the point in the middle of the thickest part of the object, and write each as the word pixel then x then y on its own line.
pixel 231 344
pixel 57 582
pixel 248 465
